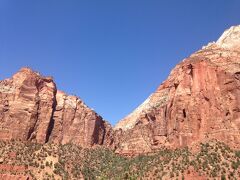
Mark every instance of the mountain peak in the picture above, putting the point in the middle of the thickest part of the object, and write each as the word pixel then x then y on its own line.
pixel 230 39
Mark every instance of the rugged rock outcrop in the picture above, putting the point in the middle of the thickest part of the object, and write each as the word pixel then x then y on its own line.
pixel 199 101
pixel 76 123
pixel 31 108
pixel 26 106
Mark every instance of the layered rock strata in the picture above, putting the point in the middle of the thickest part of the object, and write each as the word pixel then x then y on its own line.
pixel 200 100
pixel 31 108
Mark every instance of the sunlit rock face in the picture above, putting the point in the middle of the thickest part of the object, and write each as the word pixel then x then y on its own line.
pixel 76 123
pixel 230 38
pixel 32 109
pixel 26 107
pixel 200 100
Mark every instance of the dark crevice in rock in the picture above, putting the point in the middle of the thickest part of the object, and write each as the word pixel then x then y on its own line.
pixel 52 120
pixel 227 113
pixel 184 113
pixel 104 134
pixel 33 128
pixel 31 134
pixel 206 98
pixel 190 66
pixel 237 75
pixel 165 113
pixel 229 82
pixel 75 110
pixel 176 85
pixel 62 118
pixel 96 132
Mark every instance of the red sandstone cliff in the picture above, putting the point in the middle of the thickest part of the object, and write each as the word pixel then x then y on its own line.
pixel 200 100
pixel 31 108
pixel 76 123
pixel 26 107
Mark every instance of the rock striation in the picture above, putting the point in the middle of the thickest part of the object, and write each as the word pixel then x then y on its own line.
pixel 26 106
pixel 76 123
pixel 31 108
pixel 200 100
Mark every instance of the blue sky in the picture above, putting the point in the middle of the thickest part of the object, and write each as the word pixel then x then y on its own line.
pixel 111 53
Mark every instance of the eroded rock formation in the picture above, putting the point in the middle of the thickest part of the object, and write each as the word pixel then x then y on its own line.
pixel 26 107
pixel 200 100
pixel 76 123
pixel 31 108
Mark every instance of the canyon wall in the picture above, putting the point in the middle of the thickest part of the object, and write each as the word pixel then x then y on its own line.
pixel 31 108
pixel 200 100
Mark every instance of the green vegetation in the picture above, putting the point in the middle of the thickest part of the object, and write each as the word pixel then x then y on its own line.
pixel 51 161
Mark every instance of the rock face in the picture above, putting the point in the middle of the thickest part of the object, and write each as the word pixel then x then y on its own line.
pixel 200 100
pixel 76 123
pixel 31 108
pixel 26 107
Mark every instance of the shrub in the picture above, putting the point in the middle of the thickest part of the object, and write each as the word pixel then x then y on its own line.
pixel 223 177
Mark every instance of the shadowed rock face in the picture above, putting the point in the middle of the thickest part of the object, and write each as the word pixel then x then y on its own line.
pixel 31 108
pixel 200 100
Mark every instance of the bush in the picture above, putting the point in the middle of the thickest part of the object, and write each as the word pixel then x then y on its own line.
pixel 223 177
pixel 237 154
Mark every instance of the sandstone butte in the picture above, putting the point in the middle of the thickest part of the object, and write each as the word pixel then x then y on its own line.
pixel 32 109
pixel 199 101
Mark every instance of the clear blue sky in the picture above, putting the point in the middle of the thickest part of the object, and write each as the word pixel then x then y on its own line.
pixel 111 53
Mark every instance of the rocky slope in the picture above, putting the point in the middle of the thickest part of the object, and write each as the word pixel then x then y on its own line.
pixel 31 161
pixel 31 108
pixel 200 100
